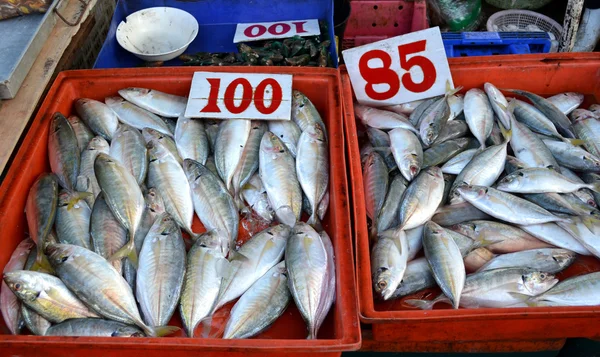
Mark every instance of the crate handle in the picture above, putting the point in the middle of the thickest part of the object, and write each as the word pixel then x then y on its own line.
pixel 85 5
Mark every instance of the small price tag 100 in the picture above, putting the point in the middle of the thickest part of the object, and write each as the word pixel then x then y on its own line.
pixel 400 69
pixel 270 30
pixel 240 96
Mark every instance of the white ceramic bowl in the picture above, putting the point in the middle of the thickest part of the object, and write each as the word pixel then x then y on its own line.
pixel 157 33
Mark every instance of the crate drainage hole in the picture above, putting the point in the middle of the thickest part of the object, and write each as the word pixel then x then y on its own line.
pixel 375 7
pixel 396 24
pixel 374 24
pixel 400 7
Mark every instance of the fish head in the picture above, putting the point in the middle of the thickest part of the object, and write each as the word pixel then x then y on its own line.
pixel 511 182
pixel 59 123
pixel 154 201
pixel 563 257
pixel 156 150
pixel 112 101
pixel 315 132
pixel 468 229
pixel 23 284
pixel 127 331
pixel 429 134
pixel 435 172
pixel 587 157
pixel 514 164
pixel 382 283
pixel 581 114
pixel 59 254
pixel 538 282
pixel 272 144
pixel 472 192
pixel 98 143
pixel 104 163
pixel 298 99
pixel 135 92
pixel 410 168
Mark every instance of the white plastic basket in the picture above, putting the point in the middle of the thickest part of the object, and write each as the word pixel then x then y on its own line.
pixel 518 20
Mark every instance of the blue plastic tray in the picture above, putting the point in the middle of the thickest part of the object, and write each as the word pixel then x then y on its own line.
pixel 217 20
pixel 466 44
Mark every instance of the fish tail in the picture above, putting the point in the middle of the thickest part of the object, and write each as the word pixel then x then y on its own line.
pixel 314 221
pixel 506 133
pixel 312 333
pixel 574 142
pixel 78 196
pixel 421 304
pixel 286 215
pixel 450 91
pixel 160 331
pixel 482 146
pixel 42 264
pixel 127 251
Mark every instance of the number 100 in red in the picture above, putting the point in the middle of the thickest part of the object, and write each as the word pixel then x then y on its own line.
pixel 249 95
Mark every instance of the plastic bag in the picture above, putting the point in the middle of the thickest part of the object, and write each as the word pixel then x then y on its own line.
pixel 456 15
pixel 14 8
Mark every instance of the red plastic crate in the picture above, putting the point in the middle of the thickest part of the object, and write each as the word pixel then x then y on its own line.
pixel 376 20
pixel 398 327
pixel 341 330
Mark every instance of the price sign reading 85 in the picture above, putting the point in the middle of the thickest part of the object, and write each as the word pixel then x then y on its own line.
pixel 400 69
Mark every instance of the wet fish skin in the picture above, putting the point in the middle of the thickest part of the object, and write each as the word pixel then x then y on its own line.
pixel 505 206
pixel 417 276
pixel 405 108
pixel 593 178
pixel 382 119
pixel 554 235
pixel 457 104
pixel 34 321
pixel 205 269
pixel 10 306
pixel 260 305
pixel 306 262
pixel 82 132
pixel 550 260
pixel 407 152
pixel 540 180
pixel 135 116
pixel 248 164
pixel 161 271
pixel 453 129
pixel 86 181
pixel 191 139
pixel 566 102
pixel 129 148
pixel 94 328
pixel 304 112
pixel 434 120
pixel 573 157
pixel 499 104
pixel 579 290
pixel 256 196
pixel 456 164
pixel 421 198
pixel 157 102
pixel 166 141
pixel 380 141
pixel 556 116
pixel 288 131
pixel 587 128
pixel 212 203
pixel 477 258
pixel 416 115
pixel 277 169
pixel 441 153
pixel 388 215
pixel 445 261
pixel 229 147
pixel 389 258
pixel 98 117
pixel 499 237
pixel 40 211
pixel 479 114
pixel 46 295
pixel 106 232
pixel 585 196
pixel 72 220
pixel 63 151
pixel 375 180
pixel 457 213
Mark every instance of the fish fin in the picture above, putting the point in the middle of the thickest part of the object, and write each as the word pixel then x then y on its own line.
pixel 450 91
pixel 160 331
pixel 312 334
pixel 506 133
pixel 421 304
pixel 595 186
pixel 234 254
pixel 42 264
pixel 526 299
pixel 286 215
pixel 78 196
pixel 127 251
pixel 588 222
pixel 512 103
pixel 484 242
pixel 574 142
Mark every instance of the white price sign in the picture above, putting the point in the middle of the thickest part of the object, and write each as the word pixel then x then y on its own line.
pixel 400 69
pixel 281 29
pixel 240 96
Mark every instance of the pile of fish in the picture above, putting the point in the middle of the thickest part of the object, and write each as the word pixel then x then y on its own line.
pixel 106 254
pixel 499 194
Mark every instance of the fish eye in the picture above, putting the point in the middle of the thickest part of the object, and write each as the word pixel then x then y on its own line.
pixel 556 260
pixel 543 276
pixel 64 259
pixel 17 286
pixel 523 277
pixel 381 285
pixel 520 173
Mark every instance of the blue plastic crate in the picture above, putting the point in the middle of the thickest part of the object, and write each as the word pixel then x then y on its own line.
pixel 466 44
pixel 217 21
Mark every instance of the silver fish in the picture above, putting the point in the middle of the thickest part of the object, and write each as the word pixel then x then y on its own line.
pixel 46 295
pixel 499 237
pixel 212 130
pixel 595 109
pixel 477 258
pixel 553 234
pixel 94 328
pixel 585 195
pixel 98 117
pixel 82 132
pixel 405 108
pixel 306 261
pixel 191 139
pixel 457 105
pixel 277 170
pixel 259 254
pixel 417 114
pixel 453 129
pixel 407 152
pixel 107 234
pixel 86 181
pixel 530 149
pixel 441 153
pixel 499 104
pixel 435 118
pixel 256 196
pixel 312 168
pixel 456 164
pixel 539 180
pixel 168 177
pixel 63 151
pixel 458 213
pixel 288 131
pixel 160 272
pixel 40 211
pixel 505 206
pixel 73 219
pixel 587 127
pixel 572 156
pixel 556 116
pixel 593 178
pixel 205 270
pixel 34 321
pixel 229 148
pixel 213 203
pixel 388 215
pixel 417 276
pixel 582 290
pixel 421 198
pixel 328 291
pixel 135 116
pixel 166 141
pixel 129 148
pixel 97 284
pixel 513 164
pixel 260 305
pixel 536 120
pixel 388 263
pixel 382 119
pixel 171 124
pixel 375 181
pixel 566 102
pixel 550 260
pixel 248 164
pixel 304 112
pixel 380 141
pixel 479 114
pixel 445 260
pixel 124 198
pixel 10 306
pixel 164 104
